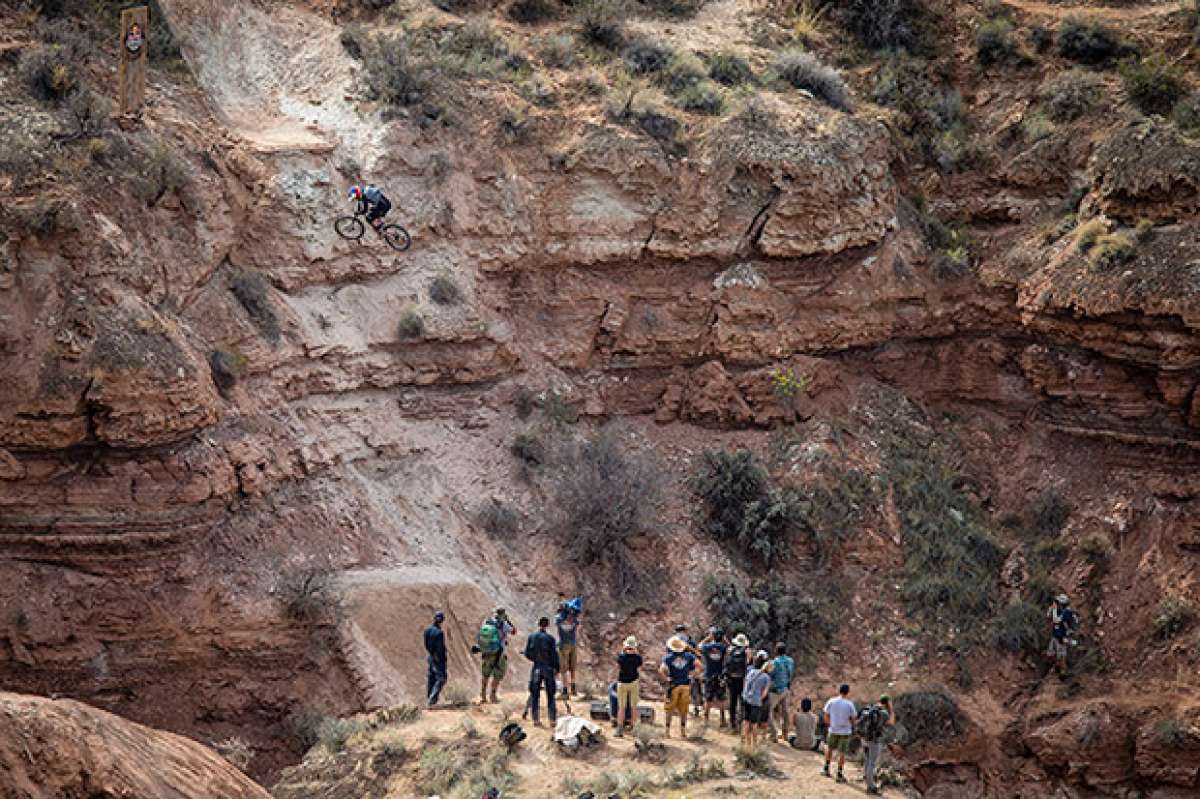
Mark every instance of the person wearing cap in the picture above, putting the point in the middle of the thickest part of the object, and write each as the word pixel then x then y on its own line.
pixel 542 651
pixel 874 741
pixel 754 698
pixel 712 652
pixel 737 660
pixel 435 658
pixel 678 668
pixel 839 715
pixel 629 662
pixel 1063 622
pixel 494 665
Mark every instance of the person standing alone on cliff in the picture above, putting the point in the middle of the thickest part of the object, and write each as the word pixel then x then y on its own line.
pixel 435 650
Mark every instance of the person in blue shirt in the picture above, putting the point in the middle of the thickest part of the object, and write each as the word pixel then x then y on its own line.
pixel 678 668
pixel 781 684
pixel 371 201
pixel 435 657
pixel 712 653
pixel 541 649
pixel 567 622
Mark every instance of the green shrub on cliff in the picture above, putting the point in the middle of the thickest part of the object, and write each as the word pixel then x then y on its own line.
pixel 1153 84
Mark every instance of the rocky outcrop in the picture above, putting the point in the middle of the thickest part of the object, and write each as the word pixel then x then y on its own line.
pixel 56 748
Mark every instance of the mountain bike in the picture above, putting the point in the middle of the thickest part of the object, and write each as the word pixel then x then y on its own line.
pixel 354 227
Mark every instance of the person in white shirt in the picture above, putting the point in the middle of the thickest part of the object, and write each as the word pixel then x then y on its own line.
pixel 839 715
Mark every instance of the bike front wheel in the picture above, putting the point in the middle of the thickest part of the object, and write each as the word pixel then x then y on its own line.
pixel 349 227
pixel 396 237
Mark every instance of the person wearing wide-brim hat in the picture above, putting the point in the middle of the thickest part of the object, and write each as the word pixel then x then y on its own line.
pixel 629 662
pixel 737 662
pixel 678 668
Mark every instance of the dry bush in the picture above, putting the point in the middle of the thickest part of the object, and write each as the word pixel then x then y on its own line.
pixel 602 22
pixel 253 292
pixel 411 326
pixel 557 50
pixel 741 506
pixel 1111 250
pixel 1153 84
pixel 1072 94
pixel 883 24
pixel 309 595
pixel 1089 41
pixel 532 12
pixel 498 517
pixel 227 368
pixel 236 751
pixel 802 70
pixel 1173 615
pixel 643 56
pixel 683 72
pixel 393 74
pixel 730 68
pixel 929 714
pixel 995 44
pixel 161 171
pixel 444 291
pixel 703 98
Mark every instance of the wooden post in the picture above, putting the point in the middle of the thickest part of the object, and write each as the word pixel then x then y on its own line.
pixel 135 49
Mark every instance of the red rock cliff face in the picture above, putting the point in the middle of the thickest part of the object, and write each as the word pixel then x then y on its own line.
pixel 200 410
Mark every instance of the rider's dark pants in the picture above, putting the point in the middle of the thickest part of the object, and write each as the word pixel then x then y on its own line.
pixel 379 210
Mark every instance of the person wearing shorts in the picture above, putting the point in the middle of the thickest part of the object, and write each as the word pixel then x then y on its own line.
pixel 567 622
pixel 712 652
pixel 678 668
pixel 839 715
pixel 754 699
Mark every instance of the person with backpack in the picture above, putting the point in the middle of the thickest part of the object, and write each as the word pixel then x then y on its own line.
pixel 1064 624
pixel 805 725
pixel 678 668
pixel 736 664
pixel 628 664
pixel 542 651
pixel 567 622
pixel 839 715
pixel 712 652
pixel 435 659
pixel 873 723
pixel 781 684
pixel 754 698
pixel 493 638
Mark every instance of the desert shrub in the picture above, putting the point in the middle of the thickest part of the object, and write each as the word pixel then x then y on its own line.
pixel 300 727
pixel 498 517
pixel 1041 587
pixel 334 733
pixel 769 611
pixel 647 743
pixel 995 44
pixel 354 41
pixel 703 98
pixel 1089 41
pixel 930 714
pixel 730 69
pixel 444 291
pixel 308 595
pixel 1035 127
pixel 1153 84
pixel 1021 628
pixel 557 50
pixel 741 507
pixel 696 770
pixel 47 74
pixel 755 760
pixel 529 449
pixel 679 9
pixel 476 49
pixel 834 508
pixel 1088 233
pixel 456 694
pixel 410 326
pixel 802 70
pixel 1111 250
pixel 236 751
pixel 1049 513
pixel 1173 615
pixel 532 12
pixel 643 56
pixel 1070 95
pixel 1187 112
pixel 439 768
pixel 1172 733
pixel 393 74
pixel 227 368
pixel 396 714
pixel 44 218
pixel 1096 546
pixel 523 402
pixel 89 113
pixel 558 408
pixel 162 171
pixel 950 555
pixel 1041 38
pixel 683 72
pixel 1050 552
pixel 605 493
pixel 252 291
pixel 602 23
pixel 883 24
pixel 936 118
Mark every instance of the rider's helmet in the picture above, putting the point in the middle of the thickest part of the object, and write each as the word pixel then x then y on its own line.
pixel 355 193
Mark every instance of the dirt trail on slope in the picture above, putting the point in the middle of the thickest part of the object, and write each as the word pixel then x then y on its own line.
pixel 1109 13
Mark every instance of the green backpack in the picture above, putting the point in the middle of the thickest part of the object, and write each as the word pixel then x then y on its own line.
pixel 489 638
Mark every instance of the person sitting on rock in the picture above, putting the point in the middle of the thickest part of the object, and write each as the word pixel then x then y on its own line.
pixel 371 201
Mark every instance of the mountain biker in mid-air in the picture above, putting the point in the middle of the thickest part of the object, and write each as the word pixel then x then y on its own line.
pixel 373 202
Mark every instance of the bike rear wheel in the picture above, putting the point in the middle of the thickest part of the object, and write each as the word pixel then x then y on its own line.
pixel 349 227
pixel 396 237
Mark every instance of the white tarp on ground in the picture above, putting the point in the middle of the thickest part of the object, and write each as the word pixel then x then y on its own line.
pixel 568 729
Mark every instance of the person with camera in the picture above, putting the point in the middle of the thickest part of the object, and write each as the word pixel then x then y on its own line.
pixel 873 726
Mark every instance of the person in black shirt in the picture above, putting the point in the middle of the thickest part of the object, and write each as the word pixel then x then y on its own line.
pixel 541 649
pixel 435 648
pixel 628 664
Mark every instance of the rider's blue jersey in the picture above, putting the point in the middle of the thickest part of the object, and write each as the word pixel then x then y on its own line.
pixel 373 195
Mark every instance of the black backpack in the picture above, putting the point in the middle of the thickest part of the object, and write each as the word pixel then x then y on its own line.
pixel 736 665
pixel 870 723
